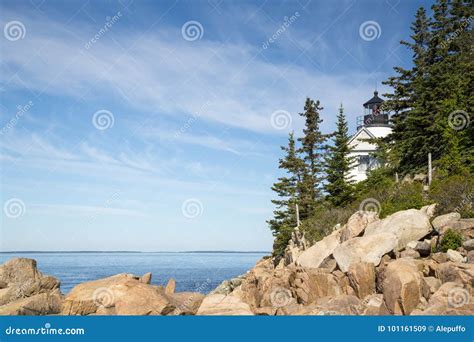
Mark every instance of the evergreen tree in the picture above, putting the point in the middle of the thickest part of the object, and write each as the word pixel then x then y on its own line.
pixel 339 188
pixel 287 189
pixel 453 81
pixel 312 151
pixel 411 122
pixel 439 83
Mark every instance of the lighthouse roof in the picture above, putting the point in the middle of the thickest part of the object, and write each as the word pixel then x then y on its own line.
pixel 375 100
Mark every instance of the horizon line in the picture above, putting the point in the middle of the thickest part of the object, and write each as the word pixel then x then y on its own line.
pixel 121 251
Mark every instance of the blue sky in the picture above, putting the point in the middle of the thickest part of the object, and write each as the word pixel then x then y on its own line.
pixel 146 125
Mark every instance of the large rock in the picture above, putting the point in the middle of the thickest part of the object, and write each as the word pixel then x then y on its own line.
pixel 369 248
pixel 450 299
pixel 122 294
pixel 407 225
pixel 468 245
pixel 86 298
pixel 20 278
pixel 19 270
pixel 357 223
pixel 454 221
pixel 439 257
pixel 466 228
pixel 219 304
pixel 362 278
pixel 344 283
pixel 443 222
pixel 456 272
pixel 430 285
pixel 36 305
pixel 470 257
pixel 410 253
pixel 374 305
pixel 187 303
pixel 227 286
pixel 136 298
pixel 454 256
pixel 429 210
pixel 170 287
pixel 146 278
pixel 314 256
pixel 334 305
pixel 402 286
pixel 255 287
pixel 312 284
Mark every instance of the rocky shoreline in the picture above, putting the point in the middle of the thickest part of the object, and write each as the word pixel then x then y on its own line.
pixel 368 266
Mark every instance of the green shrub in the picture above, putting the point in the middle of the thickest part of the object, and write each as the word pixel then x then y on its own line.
pixel 392 196
pixel 402 197
pixel 323 220
pixel 454 194
pixel 451 240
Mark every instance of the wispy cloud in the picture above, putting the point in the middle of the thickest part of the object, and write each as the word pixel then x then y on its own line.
pixel 87 212
pixel 162 73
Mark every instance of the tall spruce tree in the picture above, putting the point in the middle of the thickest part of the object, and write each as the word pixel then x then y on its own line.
pixel 452 77
pixel 339 187
pixel 411 122
pixel 287 189
pixel 462 15
pixel 439 83
pixel 312 150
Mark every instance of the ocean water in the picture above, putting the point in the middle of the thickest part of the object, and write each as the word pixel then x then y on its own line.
pixel 193 271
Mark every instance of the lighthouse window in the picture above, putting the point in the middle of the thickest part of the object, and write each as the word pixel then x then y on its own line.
pixel 364 163
pixel 367 163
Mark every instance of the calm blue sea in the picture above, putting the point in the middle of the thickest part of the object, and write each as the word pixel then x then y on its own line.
pixel 200 272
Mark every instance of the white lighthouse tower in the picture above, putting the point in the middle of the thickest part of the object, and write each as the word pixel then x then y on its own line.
pixel 373 124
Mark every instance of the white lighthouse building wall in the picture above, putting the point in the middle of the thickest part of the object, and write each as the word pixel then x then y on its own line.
pixel 362 149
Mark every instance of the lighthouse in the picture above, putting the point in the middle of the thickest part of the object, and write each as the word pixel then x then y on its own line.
pixel 374 123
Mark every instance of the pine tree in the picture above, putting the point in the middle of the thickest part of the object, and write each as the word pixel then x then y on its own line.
pixel 313 150
pixel 463 16
pixel 338 163
pixel 453 81
pixel 287 189
pixel 411 121
pixel 439 84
